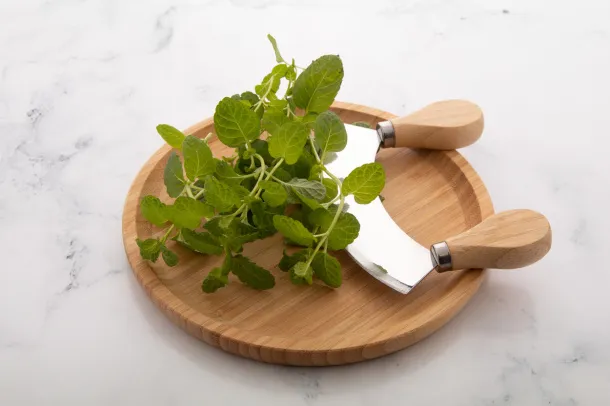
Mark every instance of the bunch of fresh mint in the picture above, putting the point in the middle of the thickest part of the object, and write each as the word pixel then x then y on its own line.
pixel 277 184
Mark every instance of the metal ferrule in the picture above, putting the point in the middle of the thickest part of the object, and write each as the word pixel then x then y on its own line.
pixel 441 257
pixel 385 132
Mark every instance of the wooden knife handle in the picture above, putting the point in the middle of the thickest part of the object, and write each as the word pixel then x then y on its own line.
pixel 443 125
pixel 507 240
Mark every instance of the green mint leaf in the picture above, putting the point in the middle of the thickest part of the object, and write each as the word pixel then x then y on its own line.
pixel 302 168
pixel 278 57
pixel 288 142
pixel 289 261
pixel 274 194
pixel 302 215
pixel 154 210
pixel 250 100
pixel 279 70
pixel 241 191
pixel 315 171
pixel 198 159
pixel 273 119
pixel 331 190
pixel 235 123
pixel 173 177
pixel 203 243
pixel 362 124
pixel 309 120
pixel 238 233
pixel 279 104
pixel 149 249
pixel 262 216
pixel 215 225
pixel 300 269
pixel 220 195
pixel 187 212
pixel 251 274
pixel 321 218
pixel 242 166
pixel 330 132
pixel 271 82
pixel 344 232
pixel 226 173
pixel 364 182
pixel 293 230
pixel 171 135
pixel 262 148
pixel 291 74
pixel 215 280
pixel 301 274
pixel 317 86
pixel 251 97
pixel 308 188
pixel 226 221
pixel 327 269
pixel 311 203
pixel 283 174
pixel 169 257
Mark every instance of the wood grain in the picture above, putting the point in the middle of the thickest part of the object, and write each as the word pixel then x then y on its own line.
pixel 506 240
pixel 431 194
pixel 446 125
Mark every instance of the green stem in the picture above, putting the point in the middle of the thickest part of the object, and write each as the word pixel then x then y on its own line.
pixel 262 174
pixel 169 230
pixel 256 187
pixel 315 151
pixel 199 194
pixel 290 82
pixel 263 97
pixel 270 174
pixel 324 239
pixel 189 192
pixel 327 205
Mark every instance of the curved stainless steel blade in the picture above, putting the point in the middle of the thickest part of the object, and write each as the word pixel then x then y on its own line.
pixel 382 248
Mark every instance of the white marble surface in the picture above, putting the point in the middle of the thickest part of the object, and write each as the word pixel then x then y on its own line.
pixel 84 82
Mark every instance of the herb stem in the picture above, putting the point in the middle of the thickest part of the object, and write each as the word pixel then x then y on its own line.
pixel 256 187
pixel 315 151
pixel 327 205
pixel 169 230
pixel 189 192
pixel 278 180
pixel 324 239
pixel 270 174
pixel 263 97
pixel 260 178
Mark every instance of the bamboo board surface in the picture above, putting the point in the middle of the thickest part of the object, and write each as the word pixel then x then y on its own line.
pixel 432 195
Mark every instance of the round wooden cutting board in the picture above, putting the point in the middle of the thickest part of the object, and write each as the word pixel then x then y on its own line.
pixel 432 195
